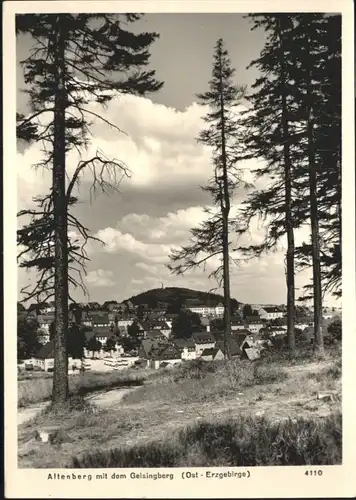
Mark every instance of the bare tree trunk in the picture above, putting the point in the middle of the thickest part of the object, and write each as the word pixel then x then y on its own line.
pixel 314 220
pixel 225 207
pixel 227 302
pixel 60 374
pixel 288 206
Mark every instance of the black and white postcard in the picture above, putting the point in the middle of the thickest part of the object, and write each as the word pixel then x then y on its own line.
pixel 179 249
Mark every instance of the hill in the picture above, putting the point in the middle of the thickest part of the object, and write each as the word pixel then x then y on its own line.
pixel 175 297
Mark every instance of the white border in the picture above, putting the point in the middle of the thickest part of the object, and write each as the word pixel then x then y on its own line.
pixel 266 482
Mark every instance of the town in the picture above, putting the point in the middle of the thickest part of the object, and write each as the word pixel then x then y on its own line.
pixel 116 335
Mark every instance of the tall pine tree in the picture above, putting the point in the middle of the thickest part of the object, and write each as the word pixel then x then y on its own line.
pixel 75 59
pixel 272 135
pixel 222 137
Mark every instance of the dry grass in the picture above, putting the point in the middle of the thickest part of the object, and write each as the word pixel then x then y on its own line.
pixel 171 401
pixel 33 375
pixel 193 381
pixel 31 391
pixel 245 442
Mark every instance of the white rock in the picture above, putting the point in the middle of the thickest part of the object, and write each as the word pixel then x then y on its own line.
pixel 42 436
pixel 325 397
pixel 260 413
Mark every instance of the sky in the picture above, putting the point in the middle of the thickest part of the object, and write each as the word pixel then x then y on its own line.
pixel 162 199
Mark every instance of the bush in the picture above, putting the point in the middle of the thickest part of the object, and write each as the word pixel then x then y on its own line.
pixel 196 369
pixel 245 442
pixel 268 374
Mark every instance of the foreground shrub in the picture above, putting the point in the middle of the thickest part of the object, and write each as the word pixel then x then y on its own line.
pixel 268 374
pixel 196 369
pixel 246 441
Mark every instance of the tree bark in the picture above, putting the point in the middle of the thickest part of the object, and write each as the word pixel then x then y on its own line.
pixel 288 204
pixel 314 216
pixel 60 374
pixel 314 220
pixel 225 207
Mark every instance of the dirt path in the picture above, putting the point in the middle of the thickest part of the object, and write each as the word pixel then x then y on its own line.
pixel 26 414
pixel 103 399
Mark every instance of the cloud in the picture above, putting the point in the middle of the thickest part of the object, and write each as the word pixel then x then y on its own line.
pixel 146 267
pixel 118 242
pixel 156 207
pixel 100 278
pixel 158 146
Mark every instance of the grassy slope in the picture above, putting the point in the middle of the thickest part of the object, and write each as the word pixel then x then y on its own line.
pixel 171 401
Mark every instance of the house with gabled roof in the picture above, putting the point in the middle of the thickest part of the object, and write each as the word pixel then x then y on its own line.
pixel 187 348
pixel 156 335
pixel 233 347
pixel 212 354
pixel 271 312
pixel 169 354
pixel 252 353
pixel 99 318
pixel 165 329
pixel 203 340
pixel 237 343
pixel 237 324
pixel 254 323
pixel 44 358
pixel 103 333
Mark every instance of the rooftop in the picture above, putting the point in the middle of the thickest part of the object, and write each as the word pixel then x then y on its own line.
pixel 203 337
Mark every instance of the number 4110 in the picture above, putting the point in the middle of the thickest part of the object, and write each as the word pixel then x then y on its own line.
pixel 314 473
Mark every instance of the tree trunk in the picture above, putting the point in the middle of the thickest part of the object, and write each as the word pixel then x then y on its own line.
pixel 288 206
pixel 60 374
pixel 227 305
pixel 314 216
pixel 314 220
pixel 225 208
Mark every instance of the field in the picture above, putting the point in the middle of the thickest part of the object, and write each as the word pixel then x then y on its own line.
pixel 270 412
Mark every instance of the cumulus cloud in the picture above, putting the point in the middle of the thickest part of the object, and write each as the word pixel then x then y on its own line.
pixel 100 278
pixel 118 242
pixel 156 207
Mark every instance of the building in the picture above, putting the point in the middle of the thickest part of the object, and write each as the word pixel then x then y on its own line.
pixel 103 333
pixel 49 308
pixel 208 311
pixel 187 348
pixel 99 319
pixel 168 355
pixel 44 358
pixel 125 322
pixel 271 312
pixel 203 340
pixel 254 324
pixel 234 348
pixel 237 324
pixel 44 321
pixel 213 354
pixel 156 335
pixel 165 329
